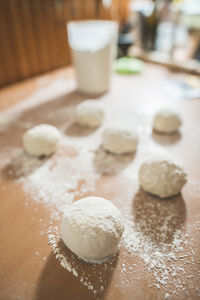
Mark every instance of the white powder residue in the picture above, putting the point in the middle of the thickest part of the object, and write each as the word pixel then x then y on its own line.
pixel 52 185
pixel 155 238
pixel 158 260
pixel 159 246
pixel 108 163
pixel 155 231
pixel 167 296
pixel 15 163
pixel 69 262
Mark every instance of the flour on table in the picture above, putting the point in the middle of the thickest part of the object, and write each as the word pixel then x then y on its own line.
pixel 156 242
pixel 143 238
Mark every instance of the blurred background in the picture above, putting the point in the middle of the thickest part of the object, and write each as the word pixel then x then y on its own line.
pixel 33 36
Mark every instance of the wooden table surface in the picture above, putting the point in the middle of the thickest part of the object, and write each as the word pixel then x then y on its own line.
pixel 28 268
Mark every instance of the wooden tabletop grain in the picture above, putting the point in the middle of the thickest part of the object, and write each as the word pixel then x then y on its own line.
pixel 28 268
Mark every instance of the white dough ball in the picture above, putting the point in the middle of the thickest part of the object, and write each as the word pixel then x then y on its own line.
pixel 162 178
pixel 41 140
pixel 92 228
pixel 89 113
pixel 119 139
pixel 166 121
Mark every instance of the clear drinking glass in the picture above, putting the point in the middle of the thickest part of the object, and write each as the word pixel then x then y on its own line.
pixel 93 45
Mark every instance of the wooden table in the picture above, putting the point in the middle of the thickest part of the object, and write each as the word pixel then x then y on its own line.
pixel 28 268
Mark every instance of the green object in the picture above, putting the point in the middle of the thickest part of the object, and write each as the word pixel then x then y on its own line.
pixel 128 65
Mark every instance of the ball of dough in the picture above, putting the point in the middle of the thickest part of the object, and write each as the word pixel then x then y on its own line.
pixel 119 139
pixel 92 228
pixel 166 121
pixel 162 178
pixel 41 140
pixel 89 113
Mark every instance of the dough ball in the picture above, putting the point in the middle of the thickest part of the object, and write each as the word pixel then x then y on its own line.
pixel 119 139
pixel 162 178
pixel 89 113
pixel 41 140
pixel 92 228
pixel 166 121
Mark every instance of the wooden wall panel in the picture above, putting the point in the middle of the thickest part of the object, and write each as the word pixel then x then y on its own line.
pixel 7 59
pixel 29 35
pixel 33 36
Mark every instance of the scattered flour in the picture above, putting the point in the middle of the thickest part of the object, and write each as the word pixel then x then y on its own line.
pixel 155 235
pixel 156 241
pixel 52 185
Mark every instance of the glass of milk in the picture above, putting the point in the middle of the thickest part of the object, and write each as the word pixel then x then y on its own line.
pixel 93 45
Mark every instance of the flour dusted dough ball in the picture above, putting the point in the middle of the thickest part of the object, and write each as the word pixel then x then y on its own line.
pixel 162 178
pixel 119 139
pixel 167 121
pixel 92 228
pixel 89 113
pixel 41 140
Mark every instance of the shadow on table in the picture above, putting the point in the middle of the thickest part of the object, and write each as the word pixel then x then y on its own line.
pixel 108 163
pixel 158 219
pixel 78 131
pixel 56 282
pixel 166 139
pixel 57 111
pixel 21 165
